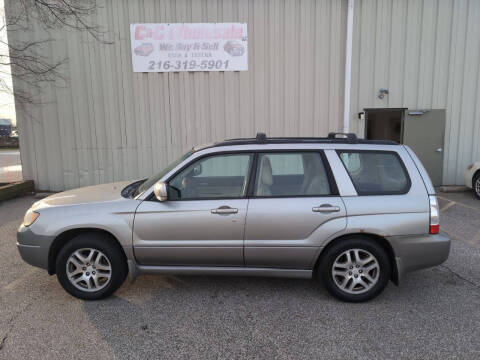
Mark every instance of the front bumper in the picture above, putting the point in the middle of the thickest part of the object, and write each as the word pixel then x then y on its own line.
pixel 468 178
pixel 33 248
pixel 419 251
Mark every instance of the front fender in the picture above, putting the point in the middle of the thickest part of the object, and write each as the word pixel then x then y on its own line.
pixel 115 218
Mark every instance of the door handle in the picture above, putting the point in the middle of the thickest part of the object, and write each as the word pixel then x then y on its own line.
pixel 326 208
pixel 439 150
pixel 224 210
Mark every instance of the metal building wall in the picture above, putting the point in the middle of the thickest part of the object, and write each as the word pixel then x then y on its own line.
pixel 108 123
pixel 427 53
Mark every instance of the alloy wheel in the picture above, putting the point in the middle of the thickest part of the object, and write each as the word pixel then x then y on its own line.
pixel 355 271
pixel 88 269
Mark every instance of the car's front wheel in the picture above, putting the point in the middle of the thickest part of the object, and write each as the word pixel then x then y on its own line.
pixel 91 266
pixel 355 269
pixel 476 184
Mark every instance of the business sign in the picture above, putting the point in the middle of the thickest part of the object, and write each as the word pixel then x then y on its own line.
pixel 189 47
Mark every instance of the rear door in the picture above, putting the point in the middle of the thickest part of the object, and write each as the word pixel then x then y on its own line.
pixel 294 206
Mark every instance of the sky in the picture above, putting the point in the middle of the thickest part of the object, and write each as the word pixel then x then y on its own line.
pixel 7 105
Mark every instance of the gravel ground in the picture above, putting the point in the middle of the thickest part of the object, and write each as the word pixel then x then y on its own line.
pixel 435 313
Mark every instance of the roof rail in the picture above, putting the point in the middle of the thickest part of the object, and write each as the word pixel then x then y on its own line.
pixel 349 136
pixel 333 137
pixel 261 138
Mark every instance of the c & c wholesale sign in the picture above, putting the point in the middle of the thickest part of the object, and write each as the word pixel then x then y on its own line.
pixel 189 47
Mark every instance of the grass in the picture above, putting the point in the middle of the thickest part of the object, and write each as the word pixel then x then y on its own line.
pixel 8 149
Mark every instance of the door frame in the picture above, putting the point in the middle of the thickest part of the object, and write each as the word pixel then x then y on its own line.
pixel 367 110
pixel 152 196
pixel 404 113
pixel 331 179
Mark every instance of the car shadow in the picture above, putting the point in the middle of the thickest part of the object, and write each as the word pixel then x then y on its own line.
pixel 165 314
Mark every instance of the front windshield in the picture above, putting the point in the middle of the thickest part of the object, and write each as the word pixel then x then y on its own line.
pixel 153 179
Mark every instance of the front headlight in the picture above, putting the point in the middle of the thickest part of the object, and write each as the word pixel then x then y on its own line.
pixel 30 217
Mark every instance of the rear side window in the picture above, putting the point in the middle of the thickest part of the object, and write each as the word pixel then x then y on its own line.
pixel 376 172
pixel 291 174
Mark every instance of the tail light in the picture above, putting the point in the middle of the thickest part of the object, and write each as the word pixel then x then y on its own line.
pixel 434 215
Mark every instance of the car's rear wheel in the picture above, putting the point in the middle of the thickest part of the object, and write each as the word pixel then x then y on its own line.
pixel 355 269
pixel 91 266
pixel 476 184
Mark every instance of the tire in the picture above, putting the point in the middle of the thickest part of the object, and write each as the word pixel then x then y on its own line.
pixel 106 270
pixel 476 184
pixel 362 280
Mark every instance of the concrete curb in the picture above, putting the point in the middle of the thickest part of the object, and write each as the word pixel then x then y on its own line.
pixel 453 188
pixel 43 194
pixel 9 191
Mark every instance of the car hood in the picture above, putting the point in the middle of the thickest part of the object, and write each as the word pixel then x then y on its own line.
pixel 84 195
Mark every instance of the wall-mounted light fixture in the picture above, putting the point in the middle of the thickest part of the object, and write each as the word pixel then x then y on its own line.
pixel 382 92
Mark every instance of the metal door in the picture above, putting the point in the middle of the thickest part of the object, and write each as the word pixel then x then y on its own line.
pixel 203 220
pixel 197 232
pixel 424 132
pixel 293 210
pixel 287 232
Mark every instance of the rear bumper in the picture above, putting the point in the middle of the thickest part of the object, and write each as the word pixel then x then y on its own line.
pixel 419 251
pixel 33 248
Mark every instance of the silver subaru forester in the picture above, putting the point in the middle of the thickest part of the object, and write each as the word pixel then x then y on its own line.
pixel 352 213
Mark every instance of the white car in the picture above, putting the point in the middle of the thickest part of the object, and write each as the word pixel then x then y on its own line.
pixel 472 178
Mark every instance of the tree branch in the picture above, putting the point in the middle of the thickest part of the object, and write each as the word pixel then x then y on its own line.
pixel 30 69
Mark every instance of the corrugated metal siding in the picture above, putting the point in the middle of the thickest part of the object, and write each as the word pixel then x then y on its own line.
pixel 110 124
pixel 427 53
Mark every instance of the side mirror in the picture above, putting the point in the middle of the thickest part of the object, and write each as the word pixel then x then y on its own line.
pixel 160 191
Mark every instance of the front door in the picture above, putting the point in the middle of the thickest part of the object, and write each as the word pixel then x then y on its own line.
pixel 293 210
pixel 202 222
pixel 424 132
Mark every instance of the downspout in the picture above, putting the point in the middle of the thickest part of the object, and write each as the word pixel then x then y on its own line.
pixel 348 67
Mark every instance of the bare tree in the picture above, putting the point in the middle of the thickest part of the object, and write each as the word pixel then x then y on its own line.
pixel 29 68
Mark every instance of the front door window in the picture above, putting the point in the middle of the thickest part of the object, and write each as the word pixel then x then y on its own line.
pixel 213 177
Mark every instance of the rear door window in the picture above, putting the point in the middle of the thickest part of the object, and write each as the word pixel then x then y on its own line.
pixel 376 172
pixel 291 174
